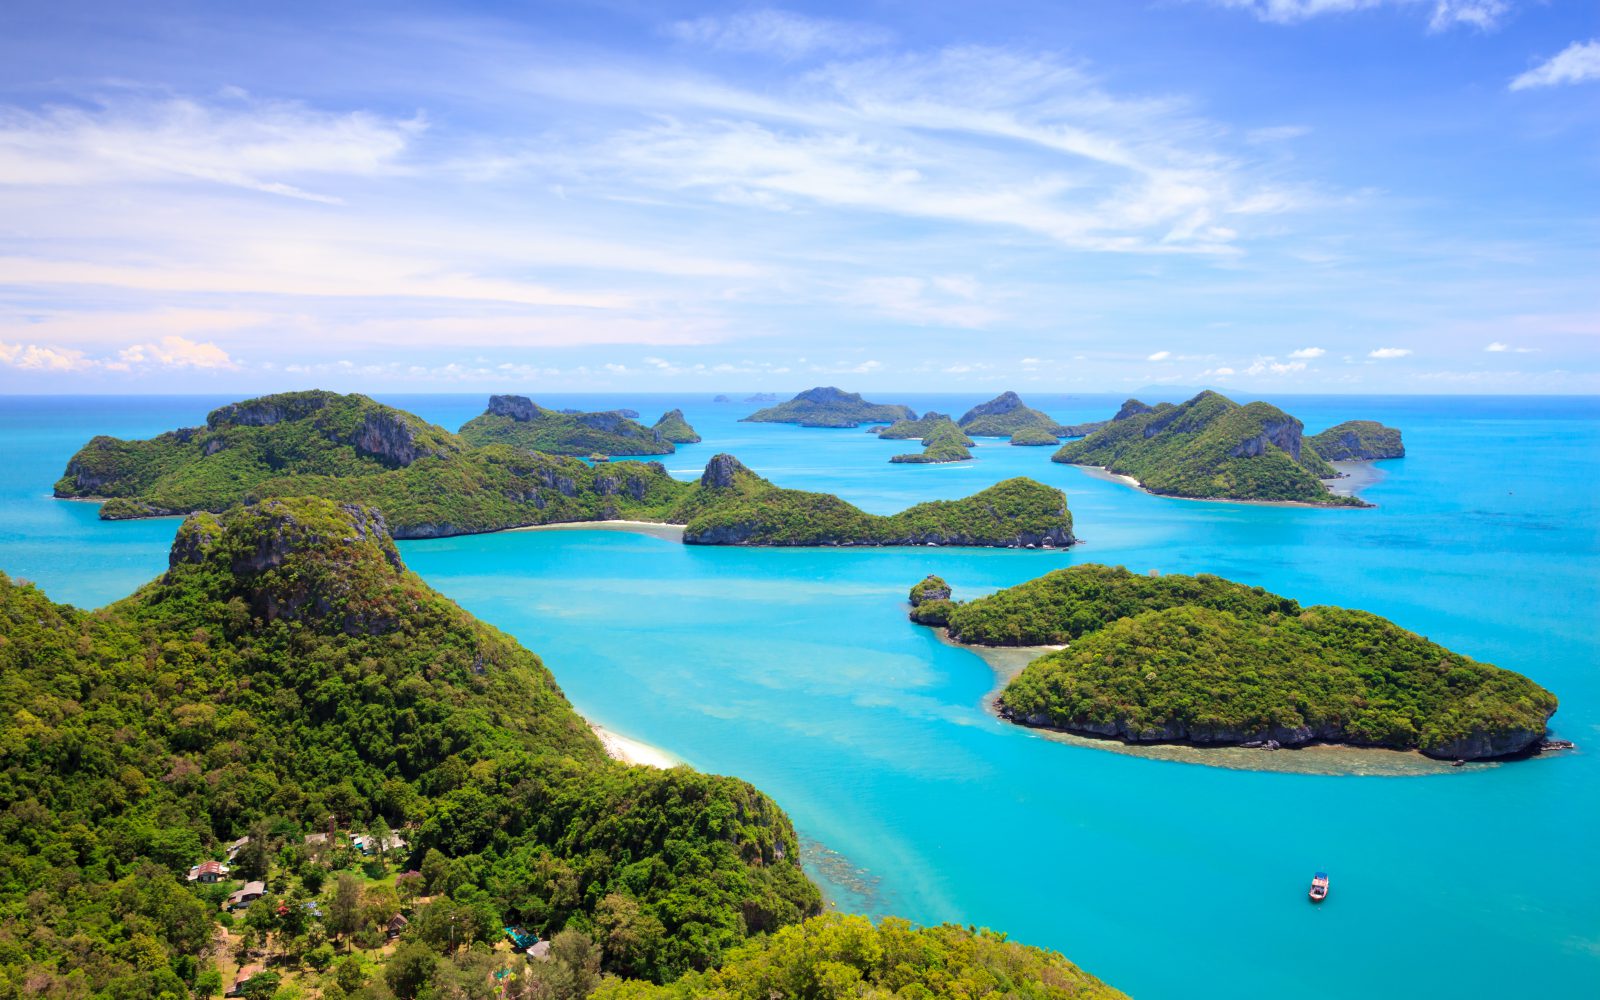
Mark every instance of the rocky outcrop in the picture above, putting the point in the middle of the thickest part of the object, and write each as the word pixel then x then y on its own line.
pixel 515 407
pixel 267 410
pixel 930 588
pixel 1284 434
pixel 721 472
pixel 1132 408
pixel 1480 745
pixel 390 438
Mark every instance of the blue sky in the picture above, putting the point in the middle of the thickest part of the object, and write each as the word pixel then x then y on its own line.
pixel 1258 195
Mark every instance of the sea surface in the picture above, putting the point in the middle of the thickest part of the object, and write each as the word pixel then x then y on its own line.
pixel 797 670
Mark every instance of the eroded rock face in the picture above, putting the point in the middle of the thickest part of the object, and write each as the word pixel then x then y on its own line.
pixel 1284 434
pixel 515 407
pixel 388 438
pixel 1481 745
pixel 721 471
pixel 268 410
pixel 932 588
pixel 1132 408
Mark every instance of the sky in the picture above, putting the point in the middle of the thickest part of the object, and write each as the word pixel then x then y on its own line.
pixel 1261 196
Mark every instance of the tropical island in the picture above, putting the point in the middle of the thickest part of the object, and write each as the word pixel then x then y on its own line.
pixel 906 429
pixel 826 406
pixel 673 427
pixel 1358 441
pixel 1210 662
pixel 429 483
pixel 521 423
pixel 1211 448
pixel 942 442
pixel 734 506
pixel 288 762
pixel 1005 416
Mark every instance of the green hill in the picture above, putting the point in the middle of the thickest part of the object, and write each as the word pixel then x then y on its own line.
pixel 287 670
pixel 839 955
pixel 1358 441
pixel 826 406
pixel 734 506
pixel 943 442
pixel 1035 437
pixel 520 422
pixel 1210 448
pixel 672 427
pixel 1005 415
pixel 1204 660
pixel 919 428
pixel 245 444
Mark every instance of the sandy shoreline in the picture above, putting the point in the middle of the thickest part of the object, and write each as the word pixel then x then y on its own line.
pixel 1317 758
pixel 658 529
pixel 620 747
pixel 1103 473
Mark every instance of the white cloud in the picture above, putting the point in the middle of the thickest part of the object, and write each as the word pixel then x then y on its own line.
pixel 1496 347
pixel 1484 15
pixel 1385 353
pixel 1159 356
pixel 1272 366
pixel 1499 347
pixel 1577 63
pixel 257 145
pixel 940 301
pixel 1308 353
pixel 976 136
pixel 778 32
pixel 178 352
pixel 34 357
pixel 1221 371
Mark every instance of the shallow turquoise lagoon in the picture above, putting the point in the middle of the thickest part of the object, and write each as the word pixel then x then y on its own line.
pixel 797 670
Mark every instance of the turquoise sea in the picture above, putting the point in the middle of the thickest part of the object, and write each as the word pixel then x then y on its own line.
pixel 797 670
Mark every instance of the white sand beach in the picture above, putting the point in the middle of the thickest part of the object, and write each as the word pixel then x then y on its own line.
pixel 671 532
pixel 632 751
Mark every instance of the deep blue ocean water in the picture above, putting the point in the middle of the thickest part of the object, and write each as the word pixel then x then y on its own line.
pixel 797 670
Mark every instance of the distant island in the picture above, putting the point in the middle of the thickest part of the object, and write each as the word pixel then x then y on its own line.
pixel 1034 437
pixel 826 406
pixel 1212 448
pixel 1203 660
pixel 734 506
pixel 1004 416
pixel 673 427
pixel 942 442
pixel 429 483
pixel 520 422
pixel 1358 441
pixel 907 428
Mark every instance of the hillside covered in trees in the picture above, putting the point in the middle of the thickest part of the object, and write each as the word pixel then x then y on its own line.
pixel 1205 660
pixel 1210 448
pixel 429 483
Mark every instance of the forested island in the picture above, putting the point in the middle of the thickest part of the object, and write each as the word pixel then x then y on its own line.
pixel 826 406
pixel 1212 448
pixel 1007 415
pixel 520 422
pixel 288 762
pixel 942 441
pixel 673 427
pixel 429 483
pixel 1203 660
pixel 1358 441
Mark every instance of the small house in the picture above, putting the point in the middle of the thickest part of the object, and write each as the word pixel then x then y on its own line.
pixel 367 844
pixel 521 939
pixel 233 848
pixel 208 872
pixel 397 925
pixel 251 892
pixel 540 951
pixel 246 974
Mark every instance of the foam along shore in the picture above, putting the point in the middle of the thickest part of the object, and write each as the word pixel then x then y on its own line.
pixel 1348 487
pixel 671 532
pixel 619 747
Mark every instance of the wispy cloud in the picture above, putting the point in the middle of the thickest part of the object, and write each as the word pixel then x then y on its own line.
pixel 1159 356
pixel 268 146
pixel 1577 63
pixel 1386 353
pixel 1307 353
pixel 779 32
pixel 1485 15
